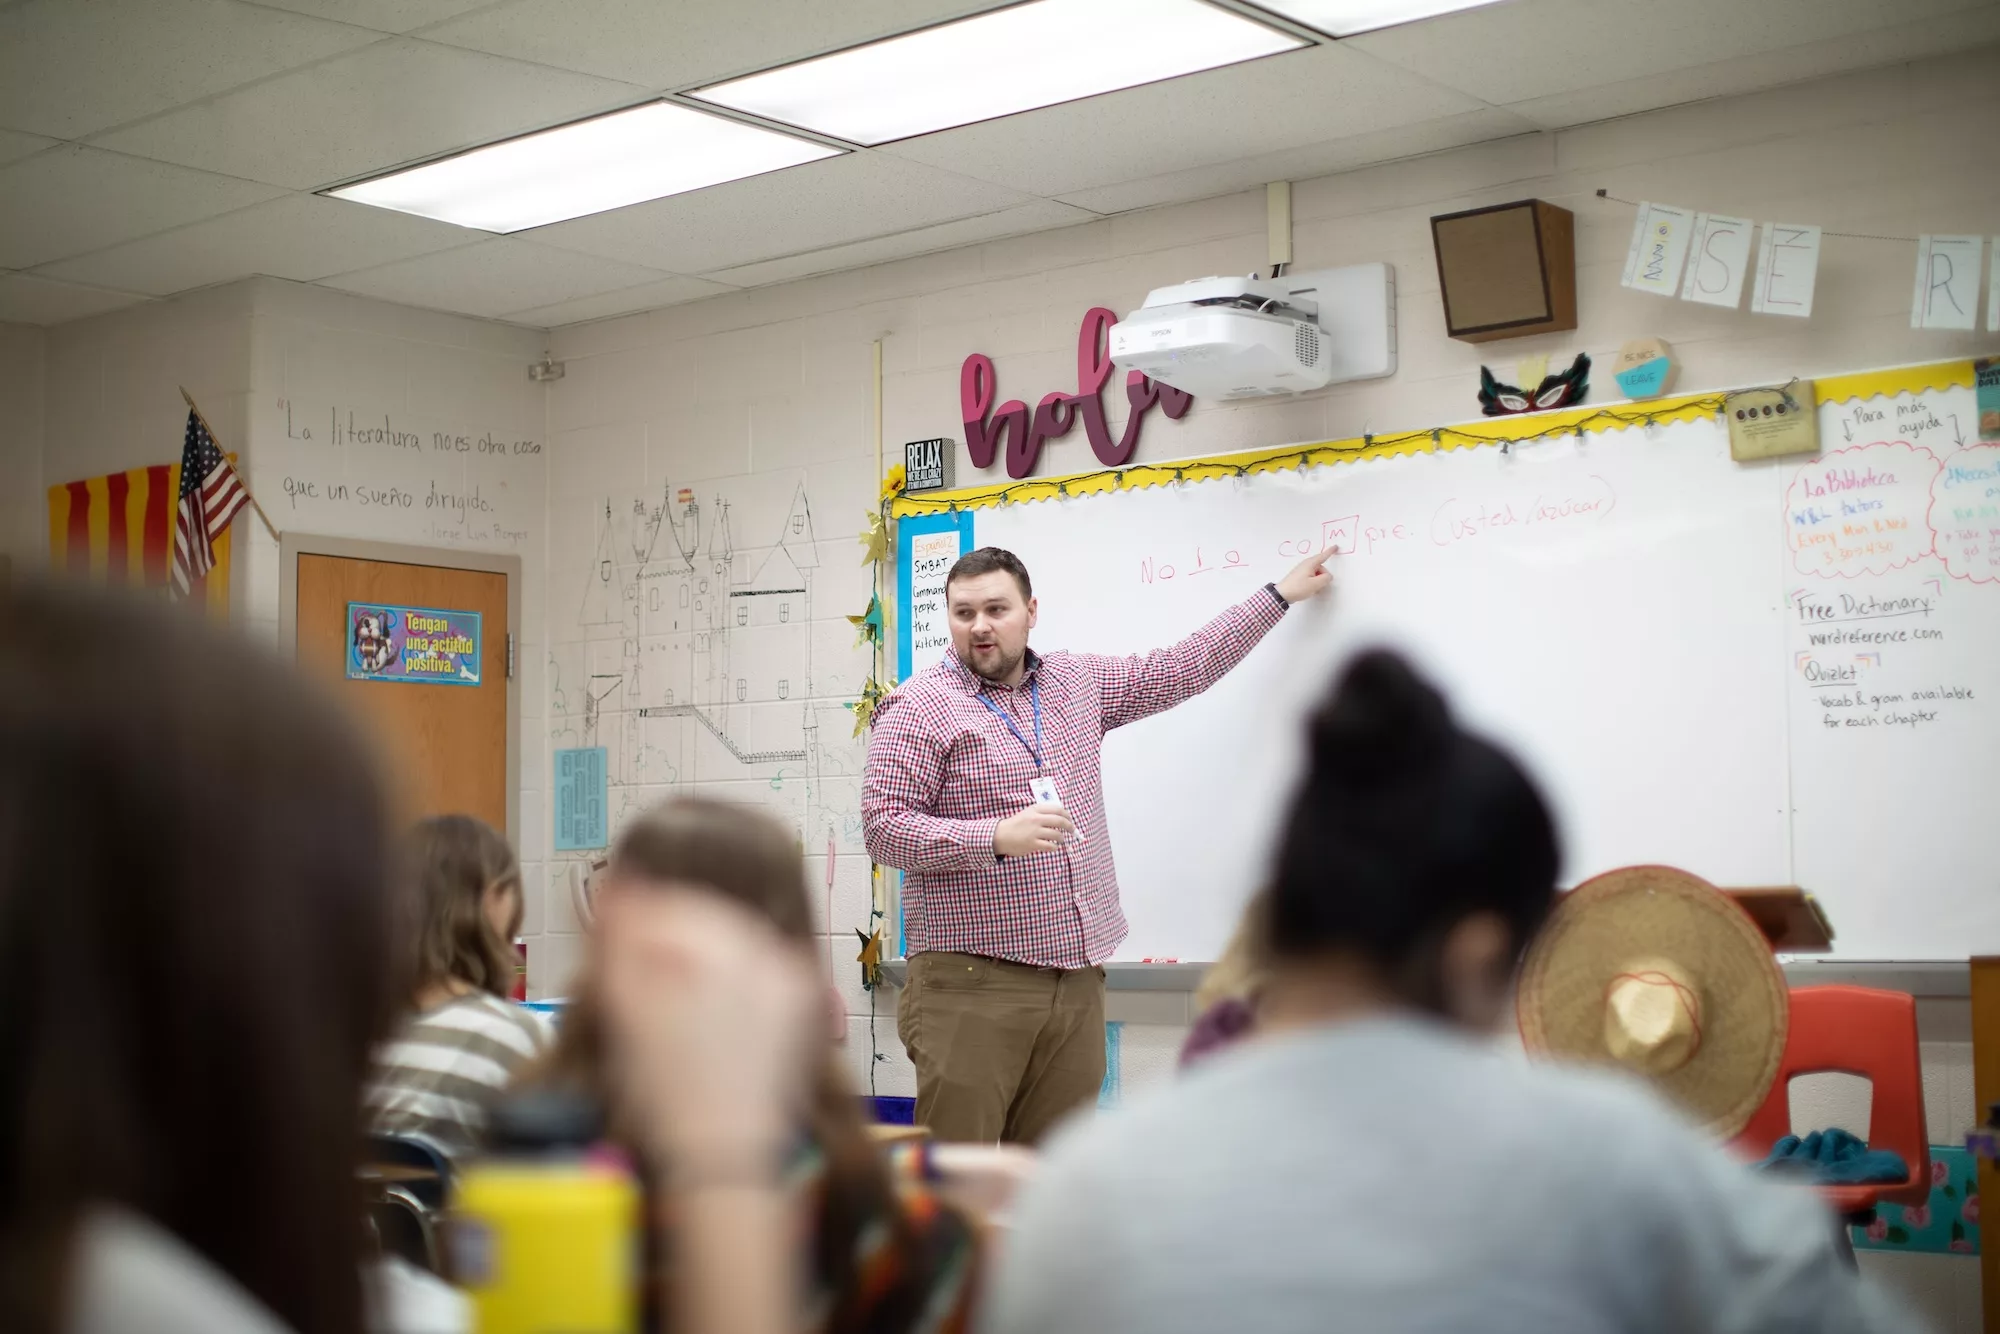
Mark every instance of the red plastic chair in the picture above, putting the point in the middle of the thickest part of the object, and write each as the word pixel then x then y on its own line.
pixel 1856 1031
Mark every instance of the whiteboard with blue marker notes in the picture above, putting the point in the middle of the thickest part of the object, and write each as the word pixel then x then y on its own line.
pixel 1770 673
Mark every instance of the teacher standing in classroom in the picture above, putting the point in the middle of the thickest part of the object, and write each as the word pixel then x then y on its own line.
pixel 983 787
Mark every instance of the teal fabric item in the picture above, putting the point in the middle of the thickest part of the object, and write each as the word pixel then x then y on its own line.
pixel 1946 1223
pixel 1835 1158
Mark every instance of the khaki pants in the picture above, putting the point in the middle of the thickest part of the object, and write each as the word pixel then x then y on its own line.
pixel 1003 1050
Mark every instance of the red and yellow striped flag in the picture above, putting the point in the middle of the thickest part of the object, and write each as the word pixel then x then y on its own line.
pixel 119 529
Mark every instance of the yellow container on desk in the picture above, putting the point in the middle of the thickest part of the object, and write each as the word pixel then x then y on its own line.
pixel 548 1247
pixel 545 1236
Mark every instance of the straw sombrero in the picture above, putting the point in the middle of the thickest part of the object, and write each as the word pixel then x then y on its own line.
pixel 1658 971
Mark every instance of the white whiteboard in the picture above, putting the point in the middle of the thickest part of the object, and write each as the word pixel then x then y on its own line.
pixel 1896 818
pixel 1629 611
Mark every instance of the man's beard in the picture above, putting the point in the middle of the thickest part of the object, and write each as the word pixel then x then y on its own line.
pixel 1002 671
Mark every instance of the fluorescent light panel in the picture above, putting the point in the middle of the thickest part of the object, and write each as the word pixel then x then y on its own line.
pixel 996 64
pixel 602 163
pixel 1344 18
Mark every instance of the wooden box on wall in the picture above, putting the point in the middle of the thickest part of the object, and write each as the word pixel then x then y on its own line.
pixel 1507 270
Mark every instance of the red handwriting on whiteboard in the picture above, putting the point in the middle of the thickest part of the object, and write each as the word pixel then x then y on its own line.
pixel 1461 519
pixel 979 385
pixel 1154 570
pixel 1347 536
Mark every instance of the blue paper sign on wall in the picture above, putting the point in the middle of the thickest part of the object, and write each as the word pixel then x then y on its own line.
pixel 420 644
pixel 582 794
pixel 1646 379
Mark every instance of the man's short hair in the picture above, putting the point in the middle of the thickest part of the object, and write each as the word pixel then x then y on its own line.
pixel 987 560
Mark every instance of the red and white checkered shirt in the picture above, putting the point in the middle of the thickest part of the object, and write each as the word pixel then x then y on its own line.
pixel 944 770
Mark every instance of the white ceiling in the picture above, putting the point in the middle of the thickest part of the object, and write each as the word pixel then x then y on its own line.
pixel 148 147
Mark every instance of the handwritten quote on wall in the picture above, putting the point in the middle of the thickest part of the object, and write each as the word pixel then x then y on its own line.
pixel 369 468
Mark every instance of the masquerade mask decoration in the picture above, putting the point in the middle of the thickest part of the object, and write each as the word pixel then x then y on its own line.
pixel 1555 391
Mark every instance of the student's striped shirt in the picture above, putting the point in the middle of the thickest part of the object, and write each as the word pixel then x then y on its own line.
pixel 442 1071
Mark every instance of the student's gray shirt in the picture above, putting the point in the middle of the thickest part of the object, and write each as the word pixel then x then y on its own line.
pixel 1392 1176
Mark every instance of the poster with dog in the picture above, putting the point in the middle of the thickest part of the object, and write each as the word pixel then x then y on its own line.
pixel 420 644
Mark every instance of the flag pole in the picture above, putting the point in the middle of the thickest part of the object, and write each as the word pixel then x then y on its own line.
pixel 240 479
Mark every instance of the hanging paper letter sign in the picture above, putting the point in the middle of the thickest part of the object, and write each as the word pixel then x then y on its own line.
pixel 1947 292
pixel 1718 257
pixel 1659 247
pixel 421 644
pixel 1787 269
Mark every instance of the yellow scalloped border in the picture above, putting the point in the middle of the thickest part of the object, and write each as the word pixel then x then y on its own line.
pixel 1923 379
pixel 1498 431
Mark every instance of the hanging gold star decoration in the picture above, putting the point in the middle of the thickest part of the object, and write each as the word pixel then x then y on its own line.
pixel 870 958
pixel 872 692
pixel 875 540
pixel 868 625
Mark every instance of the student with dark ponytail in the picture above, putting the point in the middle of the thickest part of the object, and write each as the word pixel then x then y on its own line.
pixel 1373 1159
pixel 1418 857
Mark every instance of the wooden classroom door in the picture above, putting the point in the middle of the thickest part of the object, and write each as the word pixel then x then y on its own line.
pixel 444 745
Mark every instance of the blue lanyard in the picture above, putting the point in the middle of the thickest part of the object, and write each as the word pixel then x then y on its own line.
pixel 1035 701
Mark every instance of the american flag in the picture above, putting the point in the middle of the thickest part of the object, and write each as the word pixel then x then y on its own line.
pixel 211 493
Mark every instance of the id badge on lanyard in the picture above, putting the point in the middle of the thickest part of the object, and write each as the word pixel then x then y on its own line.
pixel 1043 785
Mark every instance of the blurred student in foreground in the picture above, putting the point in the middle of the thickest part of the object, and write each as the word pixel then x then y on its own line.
pixel 878 1257
pixel 1374 1157
pixel 463 1040
pixel 198 938
pixel 195 935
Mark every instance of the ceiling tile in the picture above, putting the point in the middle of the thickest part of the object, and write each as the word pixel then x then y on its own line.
pixel 376 108
pixel 808 207
pixel 1764 69
pixel 635 41
pixel 1535 48
pixel 69 69
pixel 1282 101
pixel 72 200
pixel 25 299
pixel 648 296
pixel 1036 216
pixel 1300 164
pixel 494 277
pixel 381 15
pixel 301 237
pixel 15 146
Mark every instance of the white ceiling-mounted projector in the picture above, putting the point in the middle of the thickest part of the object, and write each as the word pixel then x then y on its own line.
pixel 1224 338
